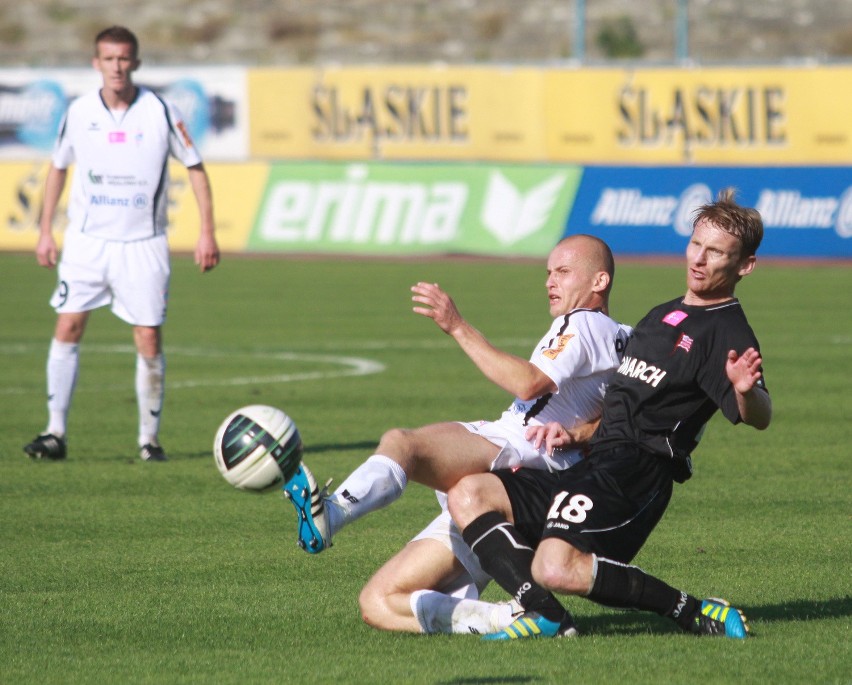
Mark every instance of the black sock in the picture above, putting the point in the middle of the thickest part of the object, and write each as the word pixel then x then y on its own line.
pixel 507 558
pixel 621 586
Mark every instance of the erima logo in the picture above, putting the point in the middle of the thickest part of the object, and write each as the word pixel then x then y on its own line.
pixel 511 216
pixel 635 368
pixel 361 210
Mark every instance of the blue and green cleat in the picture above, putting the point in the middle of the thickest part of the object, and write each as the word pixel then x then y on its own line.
pixel 532 624
pixel 719 619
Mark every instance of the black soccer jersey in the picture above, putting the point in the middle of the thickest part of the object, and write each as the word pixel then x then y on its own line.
pixel 672 379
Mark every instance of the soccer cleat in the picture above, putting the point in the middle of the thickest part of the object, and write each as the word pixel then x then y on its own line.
pixel 719 619
pixel 532 624
pixel 46 446
pixel 306 497
pixel 152 452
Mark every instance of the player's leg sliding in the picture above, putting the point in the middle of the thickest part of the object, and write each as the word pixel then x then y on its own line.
pixel 437 612
pixel 625 586
pixel 507 557
pixel 302 491
pixel 373 485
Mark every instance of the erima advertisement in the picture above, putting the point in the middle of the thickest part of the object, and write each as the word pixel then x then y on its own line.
pixel 806 211
pixel 211 101
pixel 401 209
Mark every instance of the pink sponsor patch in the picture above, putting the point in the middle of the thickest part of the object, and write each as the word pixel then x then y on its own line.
pixel 675 317
pixel 117 137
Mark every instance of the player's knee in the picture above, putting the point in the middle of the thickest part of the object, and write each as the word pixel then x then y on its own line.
pixel 395 441
pixel 371 605
pixel 467 500
pixel 564 577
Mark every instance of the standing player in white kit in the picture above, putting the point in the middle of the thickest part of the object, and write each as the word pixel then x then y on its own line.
pixel 115 249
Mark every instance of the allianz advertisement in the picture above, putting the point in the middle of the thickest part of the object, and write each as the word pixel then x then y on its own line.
pixel 400 209
pixel 806 211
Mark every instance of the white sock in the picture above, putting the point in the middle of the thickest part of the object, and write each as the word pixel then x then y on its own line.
pixel 150 377
pixel 373 485
pixel 63 360
pixel 440 613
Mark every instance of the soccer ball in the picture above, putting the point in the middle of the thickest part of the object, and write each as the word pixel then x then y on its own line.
pixel 257 447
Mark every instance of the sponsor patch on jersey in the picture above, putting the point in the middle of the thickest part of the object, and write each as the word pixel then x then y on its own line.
pixel 684 342
pixel 675 317
pixel 117 137
pixel 561 343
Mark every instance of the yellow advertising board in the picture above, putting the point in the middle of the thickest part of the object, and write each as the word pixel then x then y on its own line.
pixel 740 116
pixel 397 113
pixel 705 116
pixel 237 191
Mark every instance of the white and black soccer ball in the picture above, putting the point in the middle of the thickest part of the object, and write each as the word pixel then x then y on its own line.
pixel 257 447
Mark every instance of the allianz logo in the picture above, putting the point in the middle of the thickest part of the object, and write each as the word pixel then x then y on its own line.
pixel 358 209
pixel 778 208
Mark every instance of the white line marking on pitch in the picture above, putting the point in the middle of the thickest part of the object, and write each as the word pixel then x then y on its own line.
pixel 351 366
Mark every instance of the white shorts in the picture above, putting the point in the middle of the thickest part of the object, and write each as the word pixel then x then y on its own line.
pixel 515 451
pixel 133 277
pixel 444 530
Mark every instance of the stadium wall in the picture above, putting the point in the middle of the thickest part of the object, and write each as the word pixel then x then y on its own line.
pixel 476 160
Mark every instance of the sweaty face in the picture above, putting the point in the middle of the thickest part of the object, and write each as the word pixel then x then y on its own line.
pixel 116 62
pixel 569 279
pixel 713 265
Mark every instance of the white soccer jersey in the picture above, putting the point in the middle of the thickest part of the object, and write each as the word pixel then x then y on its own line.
pixel 579 354
pixel 118 191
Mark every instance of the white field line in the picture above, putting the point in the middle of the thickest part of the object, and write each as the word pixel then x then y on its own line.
pixel 341 366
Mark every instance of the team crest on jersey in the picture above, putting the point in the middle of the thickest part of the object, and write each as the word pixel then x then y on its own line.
pixel 561 342
pixel 684 342
pixel 675 317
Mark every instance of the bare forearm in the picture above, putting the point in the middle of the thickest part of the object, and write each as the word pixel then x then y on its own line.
pixel 515 375
pixel 200 183
pixel 53 186
pixel 755 407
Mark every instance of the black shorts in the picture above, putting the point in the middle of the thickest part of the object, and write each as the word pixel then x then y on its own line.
pixel 607 504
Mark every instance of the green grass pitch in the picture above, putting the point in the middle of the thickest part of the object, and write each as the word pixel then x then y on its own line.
pixel 117 571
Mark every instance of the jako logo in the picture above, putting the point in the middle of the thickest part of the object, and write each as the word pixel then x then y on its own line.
pixel 510 216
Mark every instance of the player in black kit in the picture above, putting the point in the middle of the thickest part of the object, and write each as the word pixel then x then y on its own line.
pixel 574 532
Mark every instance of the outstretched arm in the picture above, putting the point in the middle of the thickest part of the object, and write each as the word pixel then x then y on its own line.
pixel 206 250
pixel 753 402
pixel 515 375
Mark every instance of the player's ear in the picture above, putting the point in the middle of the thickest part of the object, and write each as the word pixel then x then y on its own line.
pixel 600 283
pixel 747 265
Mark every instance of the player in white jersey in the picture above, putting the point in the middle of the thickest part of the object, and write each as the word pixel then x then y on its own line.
pixel 433 583
pixel 115 249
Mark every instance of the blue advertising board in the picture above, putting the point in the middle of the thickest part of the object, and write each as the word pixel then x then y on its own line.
pixel 807 211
